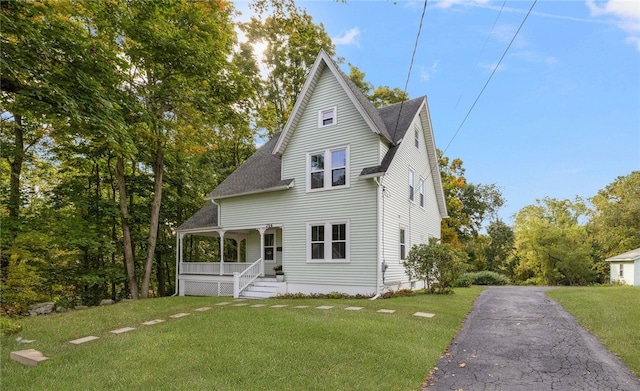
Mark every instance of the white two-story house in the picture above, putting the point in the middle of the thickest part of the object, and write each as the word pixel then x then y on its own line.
pixel 337 198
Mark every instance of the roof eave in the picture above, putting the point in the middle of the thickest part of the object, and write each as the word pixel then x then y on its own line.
pixel 257 191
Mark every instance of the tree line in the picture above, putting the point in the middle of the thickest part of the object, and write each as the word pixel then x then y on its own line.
pixel 118 117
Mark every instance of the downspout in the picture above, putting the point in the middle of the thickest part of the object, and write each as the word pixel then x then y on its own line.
pixel 379 196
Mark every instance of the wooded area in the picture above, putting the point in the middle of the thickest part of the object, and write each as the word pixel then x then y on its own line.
pixel 118 117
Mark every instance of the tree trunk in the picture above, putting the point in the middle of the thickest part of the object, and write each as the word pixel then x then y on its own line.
pixel 16 169
pixel 158 167
pixel 126 233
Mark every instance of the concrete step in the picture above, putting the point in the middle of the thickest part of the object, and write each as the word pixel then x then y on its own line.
pixel 257 295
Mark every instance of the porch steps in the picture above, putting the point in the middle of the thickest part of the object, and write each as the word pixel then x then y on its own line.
pixel 262 289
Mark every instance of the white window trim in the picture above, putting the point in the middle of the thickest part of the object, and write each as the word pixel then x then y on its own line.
pixel 406 243
pixel 275 247
pixel 335 116
pixel 421 197
pixel 411 182
pixel 328 240
pixel 327 169
pixel 416 137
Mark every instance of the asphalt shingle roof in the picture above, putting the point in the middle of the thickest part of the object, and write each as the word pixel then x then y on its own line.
pixel 261 172
pixel 207 216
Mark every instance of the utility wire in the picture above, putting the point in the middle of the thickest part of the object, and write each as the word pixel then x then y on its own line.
pixel 484 87
pixel 406 84
pixel 484 45
pixel 491 76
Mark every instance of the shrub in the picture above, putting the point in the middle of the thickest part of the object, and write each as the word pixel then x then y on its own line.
pixel 464 281
pixel 438 265
pixel 9 326
pixel 487 277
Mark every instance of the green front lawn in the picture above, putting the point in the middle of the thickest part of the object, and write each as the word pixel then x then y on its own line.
pixel 240 348
pixel 611 313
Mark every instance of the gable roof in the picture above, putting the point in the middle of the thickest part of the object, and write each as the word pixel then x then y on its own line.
pixel 628 256
pixel 206 217
pixel 369 113
pixel 258 174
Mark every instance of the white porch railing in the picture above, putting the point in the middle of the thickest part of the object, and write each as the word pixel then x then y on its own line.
pixel 213 267
pixel 241 280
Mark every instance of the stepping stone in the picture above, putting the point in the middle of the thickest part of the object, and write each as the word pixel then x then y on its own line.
pixel 180 315
pixel 353 308
pixel 301 306
pixel 386 311
pixel 223 303
pixel 424 314
pixel 152 322
pixel 29 357
pixel 279 306
pixel 83 340
pixel 239 299
pixel 202 309
pixel 240 305
pixel 325 307
pixel 123 330
pixel 258 305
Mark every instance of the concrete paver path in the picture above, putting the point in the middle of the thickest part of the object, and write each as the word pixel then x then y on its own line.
pixel 516 338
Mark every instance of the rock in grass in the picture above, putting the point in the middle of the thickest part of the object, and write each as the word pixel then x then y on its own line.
pixel 106 302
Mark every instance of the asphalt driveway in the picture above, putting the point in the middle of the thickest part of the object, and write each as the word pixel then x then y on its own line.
pixel 516 338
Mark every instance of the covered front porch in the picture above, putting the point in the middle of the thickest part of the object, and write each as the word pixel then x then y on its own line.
pixel 217 261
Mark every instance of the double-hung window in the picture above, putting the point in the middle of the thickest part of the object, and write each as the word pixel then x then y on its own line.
pixel 416 137
pixel 421 192
pixel 328 169
pixel 621 270
pixel 328 242
pixel 412 184
pixel 327 117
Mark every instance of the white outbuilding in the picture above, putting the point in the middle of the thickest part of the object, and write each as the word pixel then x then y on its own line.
pixel 625 268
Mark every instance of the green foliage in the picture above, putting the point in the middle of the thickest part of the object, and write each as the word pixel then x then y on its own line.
pixel 614 226
pixel 486 277
pixel 9 326
pixel 551 244
pixel 437 265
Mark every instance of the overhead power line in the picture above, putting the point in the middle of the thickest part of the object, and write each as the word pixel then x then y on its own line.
pixel 406 84
pixel 491 76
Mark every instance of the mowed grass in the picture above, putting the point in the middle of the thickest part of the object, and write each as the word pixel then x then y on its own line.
pixel 240 348
pixel 611 313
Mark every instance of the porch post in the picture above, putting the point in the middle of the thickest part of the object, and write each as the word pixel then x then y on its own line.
pixel 261 230
pixel 221 233
pixel 238 250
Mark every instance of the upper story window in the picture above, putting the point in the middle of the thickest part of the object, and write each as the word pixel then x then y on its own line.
pixel 328 242
pixel 327 117
pixel 421 192
pixel 416 137
pixel 412 184
pixel 328 169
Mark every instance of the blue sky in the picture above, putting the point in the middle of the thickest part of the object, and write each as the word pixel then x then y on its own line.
pixel 561 115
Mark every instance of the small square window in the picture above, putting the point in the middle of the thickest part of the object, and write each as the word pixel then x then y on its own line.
pixel 327 117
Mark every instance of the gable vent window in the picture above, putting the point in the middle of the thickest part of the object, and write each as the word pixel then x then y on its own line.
pixel 327 117
pixel 328 169
pixel 416 137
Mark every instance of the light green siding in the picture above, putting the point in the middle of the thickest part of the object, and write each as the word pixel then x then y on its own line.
pixel 294 208
pixel 419 223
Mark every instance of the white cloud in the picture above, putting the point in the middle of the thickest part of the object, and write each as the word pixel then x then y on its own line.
pixel 427 73
pixel 626 15
pixel 350 37
pixel 451 3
